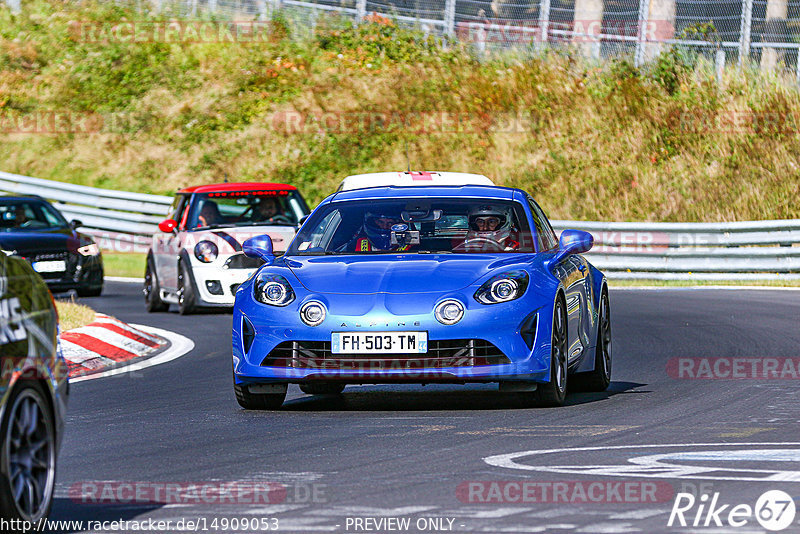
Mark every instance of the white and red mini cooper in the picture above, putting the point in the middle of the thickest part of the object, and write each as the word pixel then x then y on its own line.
pixel 196 259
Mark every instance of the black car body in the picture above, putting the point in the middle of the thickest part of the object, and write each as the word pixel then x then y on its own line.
pixel 33 229
pixel 34 390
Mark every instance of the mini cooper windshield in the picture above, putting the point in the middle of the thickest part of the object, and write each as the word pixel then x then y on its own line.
pixel 421 226
pixel 245 208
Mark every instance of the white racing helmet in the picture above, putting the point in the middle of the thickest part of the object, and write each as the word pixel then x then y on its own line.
pixel 490 222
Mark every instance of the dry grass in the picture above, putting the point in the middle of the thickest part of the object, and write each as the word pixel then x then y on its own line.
pixel 601 143
pixel 72 315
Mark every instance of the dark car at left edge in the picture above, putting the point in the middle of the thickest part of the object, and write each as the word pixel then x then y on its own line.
pixel 67 260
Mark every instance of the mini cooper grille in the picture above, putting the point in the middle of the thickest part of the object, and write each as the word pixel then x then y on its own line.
pixel 449 353
pixel 240 261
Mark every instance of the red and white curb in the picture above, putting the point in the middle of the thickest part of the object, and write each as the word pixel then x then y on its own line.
pixel 107 343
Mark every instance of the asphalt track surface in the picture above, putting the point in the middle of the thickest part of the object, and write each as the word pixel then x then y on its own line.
pixel 409 451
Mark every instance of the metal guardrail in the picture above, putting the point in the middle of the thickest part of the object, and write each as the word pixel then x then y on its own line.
pixel 750 250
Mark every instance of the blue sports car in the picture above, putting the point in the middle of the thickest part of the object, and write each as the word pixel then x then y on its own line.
pixel 436 284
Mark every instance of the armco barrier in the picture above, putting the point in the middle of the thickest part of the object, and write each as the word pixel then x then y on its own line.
pixel 750 250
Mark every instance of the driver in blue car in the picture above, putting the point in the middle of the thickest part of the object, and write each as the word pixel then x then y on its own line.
pixel 491 228
pixel 376 233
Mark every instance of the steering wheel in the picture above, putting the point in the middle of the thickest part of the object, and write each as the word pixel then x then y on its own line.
pixel 478 243
pixel 281 218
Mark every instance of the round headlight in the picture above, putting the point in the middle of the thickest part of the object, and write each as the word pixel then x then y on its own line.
pixel 312 313
pixel 206 251
pixel 504 289
pixel 274 292
pixel 449 311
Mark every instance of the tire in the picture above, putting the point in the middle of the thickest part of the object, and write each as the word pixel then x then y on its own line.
pixel 554 392
pixel 600 378
pixel 152 290
pixel 322 388
pixel 28 439
pixel 186 298
pixel 90 292
pixel 257 401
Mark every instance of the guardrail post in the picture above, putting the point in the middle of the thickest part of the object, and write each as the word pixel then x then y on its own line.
pixel 641 33
pixel 544 22
pixel 450 17
pixel 587 24
pixel 361 10
pixel 744 32
pixel 775 29
pixel 15 5
pixel 719 63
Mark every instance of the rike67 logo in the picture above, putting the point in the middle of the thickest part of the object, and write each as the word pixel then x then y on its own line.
pixel 774 510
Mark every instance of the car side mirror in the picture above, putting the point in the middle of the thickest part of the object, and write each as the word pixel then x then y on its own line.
pixel 75 224
pixel 572 242
pixel 303 219
pixel 168 226
pixel 259 246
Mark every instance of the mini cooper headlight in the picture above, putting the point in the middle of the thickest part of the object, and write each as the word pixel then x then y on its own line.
pixel 273 290
pixel 503 288
pixel 449 311
pixel 206 251
pixel 89 250
pixel 313 313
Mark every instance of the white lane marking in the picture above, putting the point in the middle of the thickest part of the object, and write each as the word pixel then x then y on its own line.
pixel 124 279
pixel 637 514
pixel 609 528
pixel 180 345
pixel 345 511
pixel 649 471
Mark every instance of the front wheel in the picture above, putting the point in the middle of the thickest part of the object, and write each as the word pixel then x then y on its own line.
pixel 554 392
pixel 600 378
pixel 152 290
pixel 186 298
pixel 27 455
pixel 258 401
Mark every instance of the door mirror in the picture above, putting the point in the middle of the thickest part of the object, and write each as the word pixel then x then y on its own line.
pixel 75 224
pixel 168 226
pixel 259 246
pixel 572 242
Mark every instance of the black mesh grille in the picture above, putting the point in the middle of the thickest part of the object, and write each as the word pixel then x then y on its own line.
pixel 449 353
pixel 240 261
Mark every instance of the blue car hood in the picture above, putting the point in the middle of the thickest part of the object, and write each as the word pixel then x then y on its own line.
pixel 400 273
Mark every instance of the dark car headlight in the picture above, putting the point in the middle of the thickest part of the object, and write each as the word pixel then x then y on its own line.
pixel 206 251
pixel 503 288
pixel 90 249
pixel 273 289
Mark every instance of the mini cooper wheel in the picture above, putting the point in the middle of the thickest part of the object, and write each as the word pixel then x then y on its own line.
pixel 28 455
pixel 257 401
pixel 186 298
pixel 554 392
pixel 600 378
pixel 152 290
pixel 322 388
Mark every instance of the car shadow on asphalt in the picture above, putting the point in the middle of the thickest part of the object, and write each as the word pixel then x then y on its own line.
pixel 68 510
pixel 378 398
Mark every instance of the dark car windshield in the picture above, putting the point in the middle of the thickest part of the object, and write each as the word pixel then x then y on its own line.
pixel 421 226
pixel 20 215
pixel 246 208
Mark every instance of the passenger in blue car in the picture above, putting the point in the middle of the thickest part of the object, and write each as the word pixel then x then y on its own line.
pixel 377 233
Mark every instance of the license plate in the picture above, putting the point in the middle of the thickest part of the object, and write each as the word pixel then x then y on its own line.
pixel 379 342
pixel 49 266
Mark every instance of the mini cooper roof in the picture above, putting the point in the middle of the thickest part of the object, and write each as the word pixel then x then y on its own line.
pixel 237 186
pixel 412 178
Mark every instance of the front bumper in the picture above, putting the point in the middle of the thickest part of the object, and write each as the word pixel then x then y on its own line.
pixel 500 325
pixel 207 277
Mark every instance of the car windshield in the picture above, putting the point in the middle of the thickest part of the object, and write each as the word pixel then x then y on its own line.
pixel 246 208
pixel 29 215
pixel 420 226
